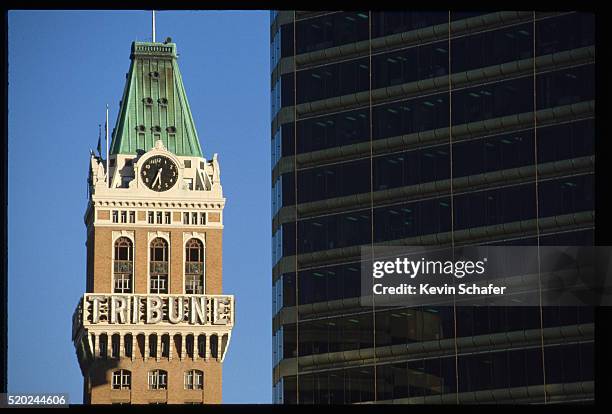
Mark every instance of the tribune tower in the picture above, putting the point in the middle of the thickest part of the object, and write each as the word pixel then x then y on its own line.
pixel 153 325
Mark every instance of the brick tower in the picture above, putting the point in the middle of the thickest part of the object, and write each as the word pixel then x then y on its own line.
pixel 153 325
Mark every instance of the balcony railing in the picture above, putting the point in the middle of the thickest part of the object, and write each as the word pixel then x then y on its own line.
pixel 159 267
pixel 194 268
pixel 123 266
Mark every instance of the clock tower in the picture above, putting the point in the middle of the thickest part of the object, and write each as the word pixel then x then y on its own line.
pixel 154 325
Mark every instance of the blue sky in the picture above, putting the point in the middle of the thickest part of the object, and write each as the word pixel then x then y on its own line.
pixel 64 67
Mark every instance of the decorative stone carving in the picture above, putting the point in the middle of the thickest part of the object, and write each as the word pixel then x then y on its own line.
pixel 154 234
pixel 194 235
pixel 222 311
pixel 123 233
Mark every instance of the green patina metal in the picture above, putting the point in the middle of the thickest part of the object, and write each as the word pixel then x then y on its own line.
pixel 154 104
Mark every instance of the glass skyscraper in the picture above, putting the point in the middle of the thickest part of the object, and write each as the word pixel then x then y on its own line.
pixel 427 128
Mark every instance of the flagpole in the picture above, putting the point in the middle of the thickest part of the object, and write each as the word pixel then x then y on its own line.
pixel 107 170
pixel 153 24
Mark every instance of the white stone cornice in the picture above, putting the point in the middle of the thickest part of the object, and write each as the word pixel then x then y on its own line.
pixel 216 204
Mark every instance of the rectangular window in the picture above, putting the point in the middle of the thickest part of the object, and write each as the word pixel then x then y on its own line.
pixel 193 284
pixel 157 380
pixel 189 183
pixel 194 218
pixel 115 216
pixel 117 380
pixel 199 380
pixel 121 380
pixel 194 379
pixel 132 217
pixel 187 163
pixel 203 219
pixel 123 283
pixel 159 284
pixel 151 217
pixel 125 379
pixel 159 217
pixel 185 218
pixel 189 380
pixel 167 217
pixel 124 216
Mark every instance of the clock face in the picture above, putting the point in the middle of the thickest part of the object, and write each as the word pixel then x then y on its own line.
pixel 159 173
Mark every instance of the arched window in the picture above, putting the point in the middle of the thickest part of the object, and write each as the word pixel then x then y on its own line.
pixel 194 267
pixel 194 379
pixel 158 379
pixel 158 266
pixel 123 266
pixel 122 379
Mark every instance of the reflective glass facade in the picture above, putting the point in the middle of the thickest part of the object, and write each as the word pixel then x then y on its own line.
pixel 373 114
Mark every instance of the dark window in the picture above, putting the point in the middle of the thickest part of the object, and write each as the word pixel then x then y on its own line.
pixel 493 100
pixel 287 88
pixel 566 195
pixel 287 40
pixel 493 153
pixel 122 379
pixel 496 206
pixel 194 267
pixel 327 131
pixel 566 32
pixel 332 80
pixel 565 141
pixel 411 167
pixel 158 380
pixel 123 265
pixel 323 284
pixel 331 30
pixel 492 48
pixel 410 116
pixel 565 87
pixel 158 266
pixel 409 65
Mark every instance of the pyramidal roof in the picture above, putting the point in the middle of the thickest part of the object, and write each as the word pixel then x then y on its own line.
pixel 154 104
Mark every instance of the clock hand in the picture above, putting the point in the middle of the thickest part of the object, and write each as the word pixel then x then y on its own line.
pixel 157 177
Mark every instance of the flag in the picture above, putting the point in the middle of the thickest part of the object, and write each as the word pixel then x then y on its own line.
pixel 99 140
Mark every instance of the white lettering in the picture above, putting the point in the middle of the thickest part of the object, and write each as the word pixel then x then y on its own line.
pixel 198 310
pixel 172 306
pixel 119 309
pixel 154 304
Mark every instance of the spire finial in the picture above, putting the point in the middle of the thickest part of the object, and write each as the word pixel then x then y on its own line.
pixel 153 23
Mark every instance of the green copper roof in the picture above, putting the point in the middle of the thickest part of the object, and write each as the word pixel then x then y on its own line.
pixel 154 104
